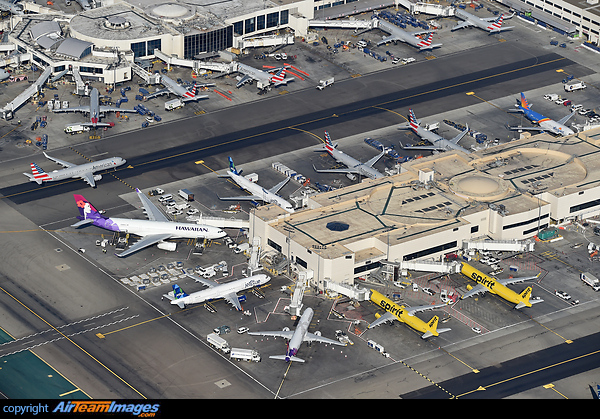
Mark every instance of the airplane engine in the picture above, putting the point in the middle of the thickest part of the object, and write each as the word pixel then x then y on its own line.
pixel 469 287
pixel 351 176
pixel 97 177
pixel 377 315
pixel 168 246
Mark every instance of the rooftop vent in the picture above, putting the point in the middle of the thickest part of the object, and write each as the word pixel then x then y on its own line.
pixel 116 22
pixel 337 226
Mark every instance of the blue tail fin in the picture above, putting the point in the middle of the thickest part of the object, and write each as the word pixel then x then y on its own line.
pixel 232 167
pixel 178 292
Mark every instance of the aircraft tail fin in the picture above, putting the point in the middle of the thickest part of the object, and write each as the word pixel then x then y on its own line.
pixel 38 175
pixel 329 145
pixel 287 358
pixel 193 89
pixel 524 297
pixel 232 167
pixel 279 76
pixel 86 210
pixel 524 103
pixel 431 328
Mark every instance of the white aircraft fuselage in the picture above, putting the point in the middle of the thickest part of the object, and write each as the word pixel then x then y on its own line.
pixel 437 140
pixel 259 191
pixel 222 290
pixel 78 171
pixel 352 163
pixel 175 229
pixel 299 333
pixel 398 34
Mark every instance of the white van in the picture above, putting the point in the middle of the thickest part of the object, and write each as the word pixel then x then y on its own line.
pixel 165 197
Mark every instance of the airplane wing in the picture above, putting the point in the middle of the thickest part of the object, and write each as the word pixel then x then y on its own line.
pixel 343 171
pixel 240 198
pixel 507 281
pixel 287 334
pixel 153 213
pixel 420 147
pixel 104 109
pixel 311 337
pixel 245 79
pixel 89 178
pixel 233 300
pixel 85 109
pixel 478 289
pixel 209 283
pixel 461 25
pixel 526 128
pixel 144 242
pixel 375 159
pixel 566 118
pixel 387 39
pixel 387 317
pixel 460 136
pixel 157 93
pixel 192 99
pixel 275 189
pixel 417 309
pixel 63 163
pixel 282 82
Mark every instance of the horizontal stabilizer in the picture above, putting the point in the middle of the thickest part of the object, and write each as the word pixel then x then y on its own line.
pixel 32 179
pixel 285 358
pixel 83 223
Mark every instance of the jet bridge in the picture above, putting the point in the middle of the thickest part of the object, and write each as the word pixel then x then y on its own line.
pixel 195 64
pixel 344 24
pixel 8 111
pixel 500 245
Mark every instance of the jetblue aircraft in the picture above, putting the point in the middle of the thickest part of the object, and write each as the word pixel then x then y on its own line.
pixel 172 87
pixel 227 291
pixel 544 123
pixel 489 24
pixel 83 171
pixel 263 78
pixel 257 192
pixel 398 34
pixel 296 337
pixel 438 142
pixel 156 229
pixel 95 110
pixel 355 167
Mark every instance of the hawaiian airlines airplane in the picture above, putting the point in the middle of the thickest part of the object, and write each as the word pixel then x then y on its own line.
pixel 406 315
pixel 489 24
pixel 438 142
pixel 354 167
pixel 257 192
pixel 83 171
pixel 398 34
pixel 498 286
pixel 156 229
pixel 215 291
pixel 544 123
pixel 95 110
pixel 296 337
pixel 172 87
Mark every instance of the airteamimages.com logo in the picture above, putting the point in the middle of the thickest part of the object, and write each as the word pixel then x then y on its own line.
pixel 142 410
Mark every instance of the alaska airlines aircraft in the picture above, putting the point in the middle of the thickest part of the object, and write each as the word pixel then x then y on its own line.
pixel 406 315
pixel 215 291
pixel 156 229
pixel 95 110
pixel 398 34
pixel 172 87
pixel 355 167
pixel 296 337
pixel 545 123
pixel 438 142
pixel 498 287
pixel 489 24
pixel 83 171
pixel 263 78
pixel 256 191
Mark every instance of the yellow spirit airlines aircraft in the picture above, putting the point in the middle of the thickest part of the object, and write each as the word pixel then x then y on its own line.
pixel 498 287
pixel 406 315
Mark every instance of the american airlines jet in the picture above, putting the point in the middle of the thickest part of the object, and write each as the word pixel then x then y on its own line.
pixel 171 87
pixel 296 337
pixel 95 110
pixel 398 34
pixel 257 192
pixel 263 78
pixel 489 24
pixel 544 123
pixel 227 291
pixel 83 171
pixel 156 229
pixel 354 167
pixel 438 142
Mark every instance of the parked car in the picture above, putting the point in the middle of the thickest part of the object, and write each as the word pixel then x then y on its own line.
pixel 428 291
pixel 562 295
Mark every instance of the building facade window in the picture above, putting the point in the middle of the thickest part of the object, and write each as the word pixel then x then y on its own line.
pixel 272 19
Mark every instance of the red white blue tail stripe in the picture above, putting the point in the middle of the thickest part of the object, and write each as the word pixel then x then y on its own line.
pixel 38 173
pixel 413 122
pixel 328 144
pixel 427 41
pixel 191 93
pixel 497 24
pixel 279 76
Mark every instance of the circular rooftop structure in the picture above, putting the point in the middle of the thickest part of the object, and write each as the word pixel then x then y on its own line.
pixel 172 12
pixel 479 187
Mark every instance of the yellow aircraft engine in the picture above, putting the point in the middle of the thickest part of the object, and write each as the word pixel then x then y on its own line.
pixel 377 315
pixel 469 287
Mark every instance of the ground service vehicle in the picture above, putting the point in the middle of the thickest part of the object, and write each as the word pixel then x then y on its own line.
pixel 591 280
pixel 244 355
pixel 575 86
pixel 241 248
pixel 173 104
pixel 76 129
pixel 185 194
pixel 324 83
pixel 218 342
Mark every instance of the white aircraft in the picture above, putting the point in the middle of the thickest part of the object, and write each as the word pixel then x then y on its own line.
pixel 355 167
pixel 544 123
pixel 438 142
pixel 398 34
pixel 4 74
pixel 95 110
pixel 227 291
pixel 264 79
pixel 257 193
pixel 156 229
pixel 11 6
pixel 296 337
pixel 83 171
pixel 490 24
pixel 172 87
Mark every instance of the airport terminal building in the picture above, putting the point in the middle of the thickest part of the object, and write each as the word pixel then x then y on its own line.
pixel 508 192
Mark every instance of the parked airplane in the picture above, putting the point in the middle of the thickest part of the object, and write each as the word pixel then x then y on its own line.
pixel 398 34
pixel 215 291
pixel 296 337
pixel 83 171
pixel 11 6
pixel 438 142
pixel 498 287
pixel 257 193
pixel 95 110
pixel 156 229
pixel 354 167
pixel 406 315
pixel 4 74
pixel 172 87
pixel 545 123
pixel 490 24
pixel 264 79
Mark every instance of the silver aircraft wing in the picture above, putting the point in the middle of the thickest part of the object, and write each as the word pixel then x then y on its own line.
pixel 63 163
pixel 144 242
pixel 311 337
pixel 153 213
pixel 287 334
